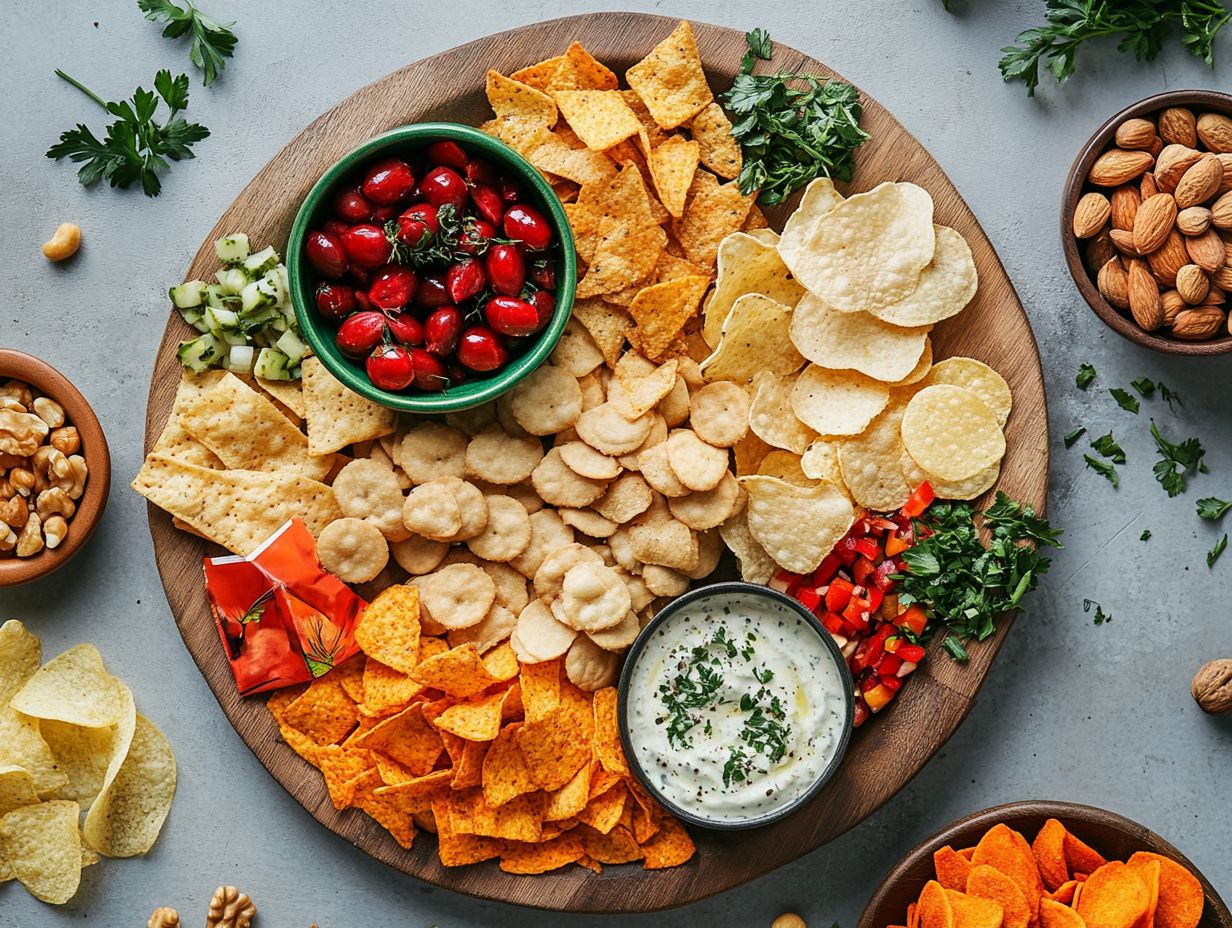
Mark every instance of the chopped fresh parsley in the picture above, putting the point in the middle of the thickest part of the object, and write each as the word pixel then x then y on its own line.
pixel 1073 436
pixel 1104 469
pixel 1125 400
pixel 212 41
pixel 1107 447
pixel 1213 555
pixel 1146 535
pixel 1144 385
pixel 1169 395
pixel 1176 460
pixel 1211 507
pixel 1100 616
pixel 1086 373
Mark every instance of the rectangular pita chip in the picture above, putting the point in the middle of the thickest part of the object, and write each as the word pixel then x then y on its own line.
pixel 336 415
pixel 247 432
pixel 238 509
pixel 174 442
pixel 288 392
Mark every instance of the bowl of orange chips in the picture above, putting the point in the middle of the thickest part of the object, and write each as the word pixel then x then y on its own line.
pixel 1039 864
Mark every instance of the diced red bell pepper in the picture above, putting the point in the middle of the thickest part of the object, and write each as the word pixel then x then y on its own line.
pixel 857 613
pixel 894 683
pixel 838 594
pixel 878 697
pixel 888 665
pixel 869 548
pixel 920 500
pixel 845 551
pixel 876 651
pixel 914 618
pixel 894 544
pixel 809 598
pixel 874 599
pixel 826 570
pixel 833 623
pixel 868 682
pixel 881 576
pixel 861 714
pixel 910 652
pixel 861 570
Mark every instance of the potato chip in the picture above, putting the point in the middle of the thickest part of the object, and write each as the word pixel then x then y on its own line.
pixel 42 847
pixel 746 265
pixel 237 509
pixel 1081 857
pixel 670 80
pixel 952 868
pixel 869 250
pixel 868 461
pixel 672 165
pixel 786 466
pixel 1180 896
pixel 21 653
pixel 1114 896
pixel 754 564
pixel 576 353
pixel 72 687
pixel 17 785
pixel 969 488
pixel 601 118
pixel 128 814
pixel 712 130
pixel 977 377
pixel 777 509
pixel 974 912
pixel 1048 848
pixel 988 882
pixel 82 754
pixel 456 596
pixel 1055 915
pixel 820 461
pixel 837 402
pixel 946 284
pixel 589 667
pixel 756 336
pixel 714 211
pixel 934 907
pixel 819 198
pixel 950 432
pixel 21 745
pixel 1007 850
pixel 336 415
pixel 772 416
pixel 660 311
pixel 855 341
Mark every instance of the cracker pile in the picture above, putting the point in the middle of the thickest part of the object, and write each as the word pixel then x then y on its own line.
pixel 501 760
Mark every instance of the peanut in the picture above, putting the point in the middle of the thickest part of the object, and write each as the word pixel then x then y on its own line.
pixel 64 243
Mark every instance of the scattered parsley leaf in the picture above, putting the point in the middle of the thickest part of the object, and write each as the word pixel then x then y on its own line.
pixel 1125 400
pixel 1073 436
pixel 759 45
pixel 1146 535
pixel 1104 469
pixel 212 41
pixel 1213 508
pixel 1100 616
pixel 1107 447
pixel 1176 461
pixel 1213 555
pixel 1169 395
pixel 955 649
pixel 1086 373
pixel 1144 385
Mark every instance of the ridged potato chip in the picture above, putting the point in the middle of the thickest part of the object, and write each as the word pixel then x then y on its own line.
pixel 867 462
pixel 777 510
pixel 42 847
pixel 746 264
pixel 947 284
pixel 951 432
pixel 128 814
pixel 855 341
pixel 977 377
pixel 758 335
pixel 772 416
pixel 837 402
pixel 72 687
pixel 869 250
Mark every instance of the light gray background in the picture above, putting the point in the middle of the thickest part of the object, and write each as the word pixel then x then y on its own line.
pixel 1070 710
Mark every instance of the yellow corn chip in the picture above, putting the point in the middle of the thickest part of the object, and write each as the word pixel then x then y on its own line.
pixel 538 75
pixel 476 719
pixel 512 98
pixel 671 80
pixel 661 311
pixel 388 629
pixel 506 774
pixel 608 325
pixel 601 118
pixel 337 416
pixel 577 69
pixel 458 672
pixel 719 151
pixel 672 165
pixel 714 211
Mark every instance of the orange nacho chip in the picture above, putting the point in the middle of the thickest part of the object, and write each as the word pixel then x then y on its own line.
pixel 419 794
pixel 538 75
pixel 952 868
pixel 670 847
pixel 501 662
pixel 1057 915
pixel 468 767
pixel 476 719
pixel 1049 850
pixel 1181 898
pixel 342 769
pixel 604 810
pixel 557 745
pixel 518 857
pixel 934 908
pixel 989 883
pixel 1064 893
pixel 387 814
pixel 1114 896
pixel 618 846
pixel 323 712
pixel 388 630
pixel 506 774
pixel 713 212
pixel 540 689
pixel 515 820
pixel 608 749
pixel 459 671
pixel 407 738
pixel 570 799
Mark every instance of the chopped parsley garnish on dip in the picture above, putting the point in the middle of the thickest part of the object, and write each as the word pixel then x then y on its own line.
pixel 735 707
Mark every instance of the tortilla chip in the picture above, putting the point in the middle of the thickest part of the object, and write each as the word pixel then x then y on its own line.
pixel 755 337
pixel 618 846
pixel 324 712
pixel 336 416
pixel 671 81
pixel 746 265
pixel 457 672
pixel 417 795
pixel 388 629
pixel 671 846
pixel 476 719
pixel 604 810
pixel 601 118
pixel 608 749
pixel 577 69
pixel 662 310
pixel 608 325
pixel 386 688
pixel 538 75
pixel 511 98
pixel 712 130
pixel 540 858
pixel 387 814
pixel 672 165
pixel 569 800
pixel 714 211
pixel 515 820
pixel 540 689
pixel 342 768
pixel 557 745
pixel 506 773
pixel 406 738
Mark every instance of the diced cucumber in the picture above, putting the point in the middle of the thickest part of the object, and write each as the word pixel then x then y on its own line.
pixel 200 352
pixel 284 285
pixel 290 344
pixel 214 296
pixel 272 286
pixel 231 249
pixel 188 294
pixel 194 318
pixel 264 260
pixel 252 297
pixel 279 324
pixel 258 318
pixel 239 359
pixel 272 364
pixel 233 281
pixel 221 320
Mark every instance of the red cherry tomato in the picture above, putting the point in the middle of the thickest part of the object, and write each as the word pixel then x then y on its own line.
pixel 360 333
pixel 392 287
pixel 430 373
pixel 509 191
pixel 335 301
pixel 416 223
pixel 388 181
pixel 449 154
pixel 326 254
pixel 545 304
pixel 509 315
pixel 432 292
pixel 366 245
pixel 480 349
pixel 464 279
pixel 542 274
pixel 442 186
pixel 488 203
pixel 390 367
pixel 479 171
pixel 441 330
pixel 526 224
pixel 382 214
pixel 352 206
pixel 506 269
pixel 334 227
pixel 475 238
pixel 361 299
pixel 405 328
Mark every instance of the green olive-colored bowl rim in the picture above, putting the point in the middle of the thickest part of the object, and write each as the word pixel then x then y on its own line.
pixel 320 334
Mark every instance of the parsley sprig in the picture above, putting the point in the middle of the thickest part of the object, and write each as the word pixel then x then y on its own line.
pixel 135 147
pixel 1176 461
pixel 212 41
pixel 1213 508
pixel 791 128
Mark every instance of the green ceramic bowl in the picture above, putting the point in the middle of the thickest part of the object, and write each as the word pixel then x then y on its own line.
pixel 319 333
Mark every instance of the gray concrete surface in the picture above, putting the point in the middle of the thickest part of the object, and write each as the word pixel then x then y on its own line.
pixel 1070 711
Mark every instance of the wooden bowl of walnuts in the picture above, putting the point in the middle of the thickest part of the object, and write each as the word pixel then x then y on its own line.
pixel 1147 222
pixel 55 470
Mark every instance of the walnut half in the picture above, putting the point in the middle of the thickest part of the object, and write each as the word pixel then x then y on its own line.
pixel 1212 686
pixel 230 908
pixel 164 917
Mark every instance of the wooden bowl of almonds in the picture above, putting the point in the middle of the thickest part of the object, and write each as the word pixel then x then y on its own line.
pixel 55 470
pixel 1147 222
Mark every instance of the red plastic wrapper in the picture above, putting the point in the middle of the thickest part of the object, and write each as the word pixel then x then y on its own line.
pixel 282 619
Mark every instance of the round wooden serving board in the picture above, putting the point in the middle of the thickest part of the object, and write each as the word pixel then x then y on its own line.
pixel 888 751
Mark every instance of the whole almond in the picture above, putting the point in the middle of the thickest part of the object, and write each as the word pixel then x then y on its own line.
pixel 1215 130
pixel 1193 221
pixel 1225 158
pixel 1147 187
pixel 1169 258
pixel 1197 324
pixel 1155 219
pixel 1173 306
pixel 1125 203
pixel 1222 278
pixel 1172 164
pixel 1221 212
pixel 1098 251
pixel 1118 166
pixel 1192 284
pixel 1144 300
pixel 1136 134
pixel 1113 283
pixel 1090 214
pixel 1215 296
pixel 1124 242
pixel 1206 250
pixel 1177 126
pixel 1200 182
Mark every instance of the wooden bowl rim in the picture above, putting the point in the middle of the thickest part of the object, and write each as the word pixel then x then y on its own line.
pixel 1093 148
pixel 1010 813
pixel 49 381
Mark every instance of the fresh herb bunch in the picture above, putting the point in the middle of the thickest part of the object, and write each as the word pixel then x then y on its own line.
pixel 1141 25
pixel 212 41
pixel 965 585
pixel 135 147
pixel 791 127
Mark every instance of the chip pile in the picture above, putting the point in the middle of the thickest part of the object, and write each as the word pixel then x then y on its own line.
pixel 827 328
pixel 1057 881
pixel 81 773
pixel 500 760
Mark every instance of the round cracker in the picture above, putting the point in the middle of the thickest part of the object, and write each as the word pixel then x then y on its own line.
pixel 589 667
pixel 558 485
pixel 771 417
pixel 474 420
pixel 708 508
pixel 472 505
pixel 709 549
pixel 663 581
pixel 777 510
pixel 658 434
pixel 855 341
pixel 432 450
pixel 551 573
pixel 585 461
pixel 588 522
pixel 353 550
pixel 504 415
pixel 946 285
pixel 627 497
pixel 866 462
pixel 719 413
pixel 593 393
pixel 656 470
pixel 433 511
pixel 510 585
pixel 494 457
pixel 622 550
pixel 620 635
pixel 592 597
pixel 951 432
pixel 368 490
pixel 541 634
pixel 547 533
pixel 456 596
pixel 977 377
pixel 525 494
pixel 674 407
pixel 418 555
pixel 837 402
pixel 696 464
pixel 549 400
pixel 507 532
pixel 495 628
pixel 606 430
